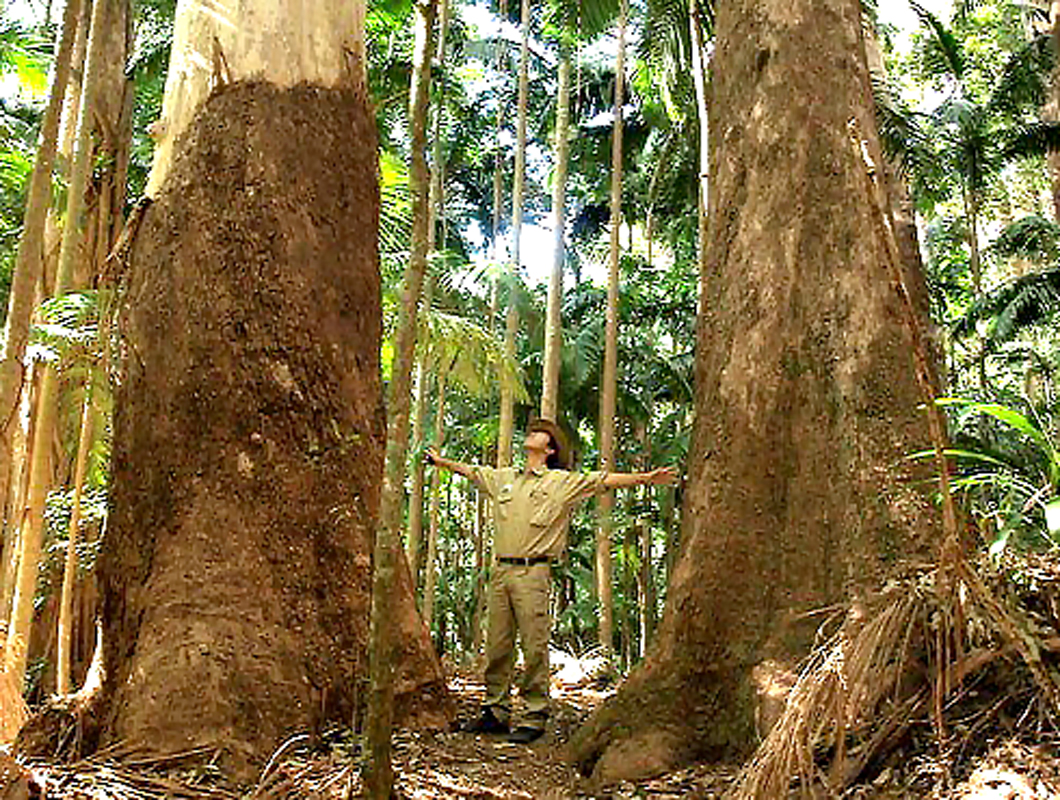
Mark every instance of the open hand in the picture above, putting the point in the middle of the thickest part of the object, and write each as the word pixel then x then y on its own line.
pixel 663 476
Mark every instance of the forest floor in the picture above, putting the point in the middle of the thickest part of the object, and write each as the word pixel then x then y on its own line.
pixel 451 764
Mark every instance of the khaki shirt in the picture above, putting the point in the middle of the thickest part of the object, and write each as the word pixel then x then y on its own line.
pixel 532 509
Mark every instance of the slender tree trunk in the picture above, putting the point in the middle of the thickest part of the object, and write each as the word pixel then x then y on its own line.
pixel 1052 106
pixel 479 595
pixel 32 536
pixel 511 329
pixel 437 191
pixel 415 537
pixel 16 496
pixel 699 77
pixel 65 634
pixel 498 184
pixel 971 210
pixel 645 582
pixel 553 320
pixel 379 775
pixel 430 566
pixel 436 206
pixel 28 262
pixel 609 382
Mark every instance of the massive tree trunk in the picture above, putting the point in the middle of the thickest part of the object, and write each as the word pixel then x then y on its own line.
pixel 806 395
pixel 249 428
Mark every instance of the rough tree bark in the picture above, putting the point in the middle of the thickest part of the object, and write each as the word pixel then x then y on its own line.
pixel 249 427
pixel 806 396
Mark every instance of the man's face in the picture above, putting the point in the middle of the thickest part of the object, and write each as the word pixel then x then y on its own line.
pixel 538 440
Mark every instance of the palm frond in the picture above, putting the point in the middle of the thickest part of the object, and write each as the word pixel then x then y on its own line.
pixel 25 54
pixel 1031 139
pixel 943 54
pixel 469 353
pixel 1024 81
pixel 395 207
pixel 1033 237
pixel 962 9
pixel 706 12
pixel 1013 306
pixel 902 131
pixel 588 18
pixel 665 43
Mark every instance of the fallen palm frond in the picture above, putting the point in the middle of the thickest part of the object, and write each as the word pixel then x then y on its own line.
pixel 119 773
pixel 843 681
pixel 904 662
pixel 13 711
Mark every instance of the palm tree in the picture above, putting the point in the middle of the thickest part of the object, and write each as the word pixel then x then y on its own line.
pixel 28 266
pixel 961 147
pixel 22 604
pixel 608 387
pixel 511 330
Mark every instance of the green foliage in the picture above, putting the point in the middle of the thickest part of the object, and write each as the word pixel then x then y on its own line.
pixel 1009 472
pixel 985 121
pixel 68 327
pixel 1000 314
pixel 148 66
pixel 24 58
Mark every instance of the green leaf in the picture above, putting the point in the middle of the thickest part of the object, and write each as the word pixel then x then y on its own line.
pixel 968 454
pixel 1007 415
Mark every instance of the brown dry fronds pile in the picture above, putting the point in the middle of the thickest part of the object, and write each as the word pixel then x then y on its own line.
pixel 118 773
pixel 919 681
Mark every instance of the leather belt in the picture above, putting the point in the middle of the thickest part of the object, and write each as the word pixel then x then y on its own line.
pixel 524 562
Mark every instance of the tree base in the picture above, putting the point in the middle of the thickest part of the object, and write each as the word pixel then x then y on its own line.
pixel 249 436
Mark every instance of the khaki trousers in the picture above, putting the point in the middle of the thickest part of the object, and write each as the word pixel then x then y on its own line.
pixel 518 600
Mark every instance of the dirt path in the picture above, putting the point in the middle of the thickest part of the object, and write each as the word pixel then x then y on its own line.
pixel 453 764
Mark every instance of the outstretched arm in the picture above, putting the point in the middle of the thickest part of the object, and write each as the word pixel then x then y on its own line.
pixel 657 477
pixel 436 458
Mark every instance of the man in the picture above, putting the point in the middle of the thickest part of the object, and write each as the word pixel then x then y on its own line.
pixel 531 509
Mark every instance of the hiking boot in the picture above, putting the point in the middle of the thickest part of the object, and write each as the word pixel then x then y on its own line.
pixel 486 723
pixel 524 734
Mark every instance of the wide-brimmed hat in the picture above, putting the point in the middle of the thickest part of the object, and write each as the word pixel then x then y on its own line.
pixel 559 438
